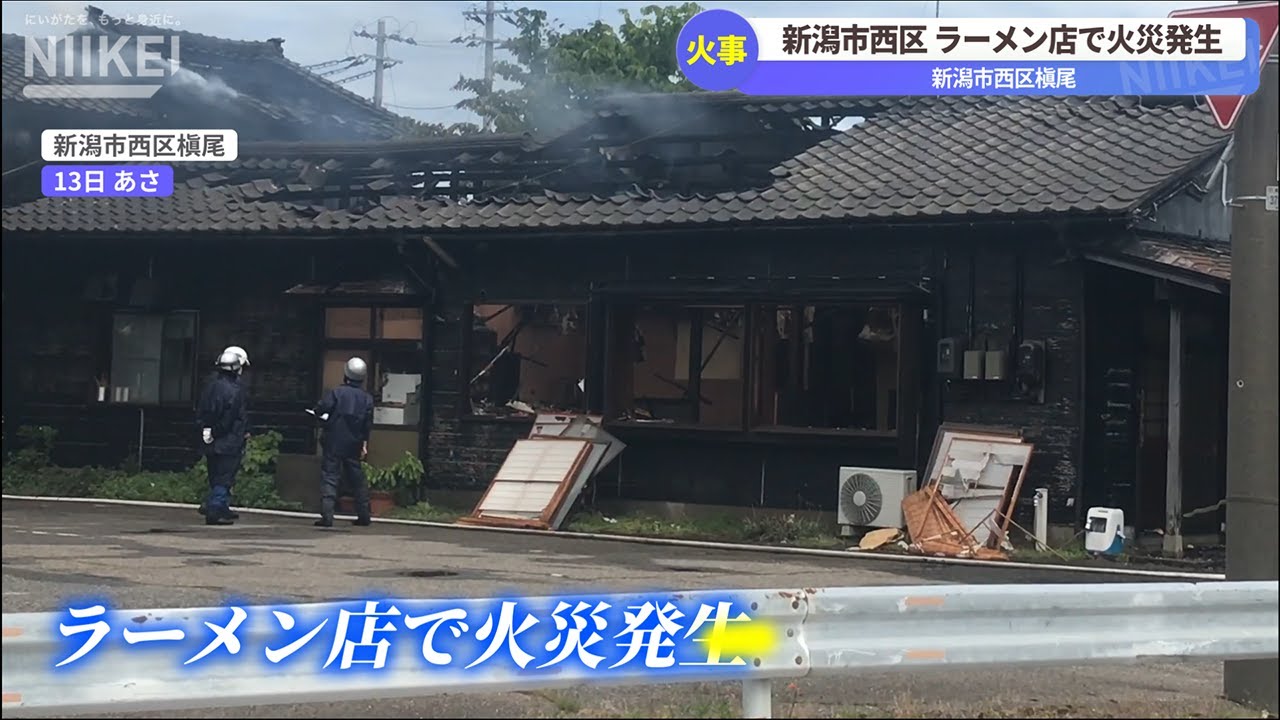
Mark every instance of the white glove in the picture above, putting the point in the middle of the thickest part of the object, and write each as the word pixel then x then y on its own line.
pixel 208 436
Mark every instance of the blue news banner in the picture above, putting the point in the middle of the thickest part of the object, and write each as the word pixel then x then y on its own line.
pixel 720 50
pixel 662 634
pixel 106 181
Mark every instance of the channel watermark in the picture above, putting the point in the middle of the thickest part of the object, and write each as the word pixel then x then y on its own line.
pixel 1189 78
pixel 128 67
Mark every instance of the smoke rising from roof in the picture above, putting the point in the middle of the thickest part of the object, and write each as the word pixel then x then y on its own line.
pixel 81 50
pixel 210 89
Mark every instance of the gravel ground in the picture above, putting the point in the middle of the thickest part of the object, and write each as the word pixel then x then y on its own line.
pixel 151 557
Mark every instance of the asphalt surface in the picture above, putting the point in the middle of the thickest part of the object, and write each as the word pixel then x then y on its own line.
pixel 56 552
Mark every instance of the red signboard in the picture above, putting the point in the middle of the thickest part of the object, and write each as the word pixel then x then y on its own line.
pixel 1226 108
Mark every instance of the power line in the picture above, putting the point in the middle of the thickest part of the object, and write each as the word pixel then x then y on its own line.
pixel 330 63
pixel 381 61
pixel 375 72
pixel 487 18
pixel 450 106
pixel 354 63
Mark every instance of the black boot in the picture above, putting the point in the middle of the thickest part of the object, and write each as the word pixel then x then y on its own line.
pixel 233 514
pixel 324 522
pixel 362 521
pixel 218 520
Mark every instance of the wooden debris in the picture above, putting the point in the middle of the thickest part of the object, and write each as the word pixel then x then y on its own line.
pixel 935 530
pixel 879 538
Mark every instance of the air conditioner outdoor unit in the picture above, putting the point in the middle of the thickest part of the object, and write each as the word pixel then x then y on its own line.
pixel 872 497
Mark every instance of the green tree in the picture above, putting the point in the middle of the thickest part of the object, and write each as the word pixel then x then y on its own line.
pixel 407 128
pixel 550 73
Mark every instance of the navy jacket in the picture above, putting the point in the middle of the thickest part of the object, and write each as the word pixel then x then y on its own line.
pixel 350 411
pixel 223 408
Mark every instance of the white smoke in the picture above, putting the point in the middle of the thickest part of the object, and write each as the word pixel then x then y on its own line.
pixel 212 89
pixel 78 52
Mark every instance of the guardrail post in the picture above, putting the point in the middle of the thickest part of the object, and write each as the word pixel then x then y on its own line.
pixel 757 698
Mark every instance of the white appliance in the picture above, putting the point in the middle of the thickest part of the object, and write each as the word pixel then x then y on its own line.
pixel 872 497
pixel 1104 530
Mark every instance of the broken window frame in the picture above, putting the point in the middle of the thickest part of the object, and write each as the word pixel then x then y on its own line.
pixel 471 368
pixel 191 352
pixel 799 322
pixel 621 320
pixel 374 349
pixel 618 331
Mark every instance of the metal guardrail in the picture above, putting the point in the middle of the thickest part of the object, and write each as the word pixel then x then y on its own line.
pixel 818 632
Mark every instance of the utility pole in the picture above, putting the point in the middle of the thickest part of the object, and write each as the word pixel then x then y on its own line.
pixel 379 58
pixel 488 45
pixel 1252 466
pixel 489 41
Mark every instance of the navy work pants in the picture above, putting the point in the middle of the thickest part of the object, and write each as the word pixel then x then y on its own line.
pixel 222 475
pixel 332 469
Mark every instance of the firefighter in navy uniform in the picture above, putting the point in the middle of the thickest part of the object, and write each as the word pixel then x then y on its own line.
pixel 244 363
pixel 222 418
pixel 347 414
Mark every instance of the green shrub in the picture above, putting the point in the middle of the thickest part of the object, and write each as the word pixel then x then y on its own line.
pixel 55 481
pixel 31 474
pixel 259 491
pixel 260 456
pixel 781 530
pixel 175 487
pixel 401 479
pixel 37 447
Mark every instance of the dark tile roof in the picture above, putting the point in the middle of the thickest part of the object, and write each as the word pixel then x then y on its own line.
pixel 15 78
pixel 286 162
pixel 933 158
pixel 234 208
pixel 267 85
pixel 918 158
pixel 1209 259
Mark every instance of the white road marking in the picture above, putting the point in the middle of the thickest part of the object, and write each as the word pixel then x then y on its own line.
pixel 39 532
pixel 66 535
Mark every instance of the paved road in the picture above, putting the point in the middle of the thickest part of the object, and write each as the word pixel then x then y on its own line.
pixel 155 557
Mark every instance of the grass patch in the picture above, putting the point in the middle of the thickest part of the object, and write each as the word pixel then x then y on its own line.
pixel 564 702
pixel 715 707
pixel 1071 552
pixel 427 512
pixel 759 529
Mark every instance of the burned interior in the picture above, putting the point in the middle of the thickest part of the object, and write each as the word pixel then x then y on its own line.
pixel 832 367
pixel 527 358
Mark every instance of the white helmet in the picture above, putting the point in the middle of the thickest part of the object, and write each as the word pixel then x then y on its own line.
pixel 356 370
pixel 230 362
pixel 239 352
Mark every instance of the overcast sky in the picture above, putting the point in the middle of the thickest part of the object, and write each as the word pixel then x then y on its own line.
pixel 315 32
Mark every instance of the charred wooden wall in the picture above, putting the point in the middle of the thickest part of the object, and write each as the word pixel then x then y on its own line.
pixel 57 341
pixel 1127 382
pixel 999 284
pixel 1040 301
pixel 999 294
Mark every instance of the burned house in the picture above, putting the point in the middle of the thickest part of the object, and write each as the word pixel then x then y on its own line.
pixel 753 293
pixel 249 86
